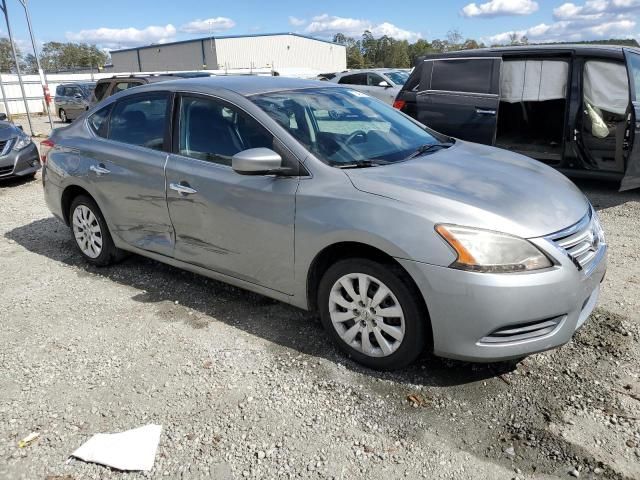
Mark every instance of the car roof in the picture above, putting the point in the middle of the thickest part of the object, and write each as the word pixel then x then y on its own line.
pixel 245 85
pixel 596 50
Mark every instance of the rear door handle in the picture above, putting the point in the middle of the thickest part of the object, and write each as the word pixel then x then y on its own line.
pixel 485 111
pixel 99 169
pixel 182 188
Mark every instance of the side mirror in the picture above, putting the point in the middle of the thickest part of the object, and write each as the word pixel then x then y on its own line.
pixel 257 161
pixel 384 84
pixel 3 117
pixel 77 95
pixel 20 127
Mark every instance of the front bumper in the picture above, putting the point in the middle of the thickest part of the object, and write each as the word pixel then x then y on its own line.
pixel 492 317
pixel 19 164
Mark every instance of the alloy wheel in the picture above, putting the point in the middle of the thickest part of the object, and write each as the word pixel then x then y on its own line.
pixel 366 315
pixel 87 232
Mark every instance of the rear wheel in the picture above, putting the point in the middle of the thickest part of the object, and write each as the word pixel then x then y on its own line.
pixel 63 115
pixel 371 312
pixel 91 233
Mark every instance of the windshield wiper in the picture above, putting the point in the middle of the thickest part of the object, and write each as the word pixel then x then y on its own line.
pixel 360 164
pixel 427 147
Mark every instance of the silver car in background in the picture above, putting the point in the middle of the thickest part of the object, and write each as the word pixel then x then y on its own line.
pixel 322 197
pixel 381 83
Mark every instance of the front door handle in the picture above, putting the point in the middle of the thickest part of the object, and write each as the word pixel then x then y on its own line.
pixel 99 169
pixel 182 188
pixel 485 111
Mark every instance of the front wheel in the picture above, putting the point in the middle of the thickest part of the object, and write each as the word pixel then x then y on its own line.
pixel 63 116
pixel 371 312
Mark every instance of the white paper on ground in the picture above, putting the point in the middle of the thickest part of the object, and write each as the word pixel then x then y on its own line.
pixel 131 450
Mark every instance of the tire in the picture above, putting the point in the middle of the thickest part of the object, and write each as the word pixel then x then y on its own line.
pixel 91 234
pixel 63 116
pixel 403 330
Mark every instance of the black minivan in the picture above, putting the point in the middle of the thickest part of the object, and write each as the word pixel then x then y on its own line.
pixel 574 107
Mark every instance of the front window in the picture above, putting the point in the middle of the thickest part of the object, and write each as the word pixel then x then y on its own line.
pixel 398 78
pixel 342 126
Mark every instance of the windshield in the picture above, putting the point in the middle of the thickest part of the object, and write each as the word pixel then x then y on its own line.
pixel 399 78
pixel 342 126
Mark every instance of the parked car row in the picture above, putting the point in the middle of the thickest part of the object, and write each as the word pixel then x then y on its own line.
pixel 401 237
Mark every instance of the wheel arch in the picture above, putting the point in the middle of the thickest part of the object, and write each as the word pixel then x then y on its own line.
pixel 350 249
pixel 68 195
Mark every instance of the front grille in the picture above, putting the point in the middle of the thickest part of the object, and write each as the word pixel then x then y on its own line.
pixel 523 331
pixel 6 170
pixel 582 242
pixel 4 144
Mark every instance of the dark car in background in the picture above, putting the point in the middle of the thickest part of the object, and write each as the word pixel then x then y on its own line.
pixel 573 107
pixel 18 154
pixel 73 99
pixel 112 85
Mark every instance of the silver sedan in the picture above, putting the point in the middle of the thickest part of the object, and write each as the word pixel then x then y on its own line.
pixel 320 196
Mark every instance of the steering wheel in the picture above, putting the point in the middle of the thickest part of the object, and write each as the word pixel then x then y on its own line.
pixel 354 135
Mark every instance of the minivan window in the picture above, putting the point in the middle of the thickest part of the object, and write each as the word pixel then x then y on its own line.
pixel 343 126
pixel 463 75
pixel 140 120
pixel 634 67
pixel 101 90
pixel 98 121
pixel 215 131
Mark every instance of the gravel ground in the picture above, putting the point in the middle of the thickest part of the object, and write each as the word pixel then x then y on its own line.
pixel 248 387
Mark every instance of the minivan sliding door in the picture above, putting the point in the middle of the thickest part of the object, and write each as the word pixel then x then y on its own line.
pixel 460 97
pixel 632 174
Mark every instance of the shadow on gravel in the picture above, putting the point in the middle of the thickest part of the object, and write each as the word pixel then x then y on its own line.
pixel 258 315
pixel 15 181
pixel 603 195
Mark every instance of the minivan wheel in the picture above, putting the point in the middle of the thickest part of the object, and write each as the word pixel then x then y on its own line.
pixel 91 233
pixel 63 115
pixel 371 312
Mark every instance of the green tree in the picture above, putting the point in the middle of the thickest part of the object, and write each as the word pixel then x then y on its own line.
pixel 418 49
pixel 6 56
pixel 58 56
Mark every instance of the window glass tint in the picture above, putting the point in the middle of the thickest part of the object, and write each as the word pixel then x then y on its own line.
pixel 60 90
pixel 634 67
pixel 357 79
pixel 373 79
pixel 214 131
pixel 140 121
pixel 474 76
pixel 101 90
pixel 99 121
pixel 120 86
pixel 341 126
pixel 399 77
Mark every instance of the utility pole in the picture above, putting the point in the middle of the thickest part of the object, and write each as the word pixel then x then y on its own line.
pixel 43 80
pixel 3 8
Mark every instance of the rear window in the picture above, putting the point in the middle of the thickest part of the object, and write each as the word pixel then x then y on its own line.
pixel 101 90
pixel 465 75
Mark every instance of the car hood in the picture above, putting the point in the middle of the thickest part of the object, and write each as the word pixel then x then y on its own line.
pixel 479 186
pixel 7 131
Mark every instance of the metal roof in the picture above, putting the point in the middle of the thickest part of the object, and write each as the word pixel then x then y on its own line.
pixel 224 37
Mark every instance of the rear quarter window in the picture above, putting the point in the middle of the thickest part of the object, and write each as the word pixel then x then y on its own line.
pixel 99 121
pixel 101 90
pixel 465 75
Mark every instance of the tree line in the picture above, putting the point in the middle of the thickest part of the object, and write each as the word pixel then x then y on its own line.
pixel 54 57
pixel 371 52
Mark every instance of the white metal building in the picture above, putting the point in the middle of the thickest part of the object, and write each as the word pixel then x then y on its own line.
pixel 275 51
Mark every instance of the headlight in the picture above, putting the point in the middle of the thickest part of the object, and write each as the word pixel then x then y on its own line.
pixel 22 141
pixel 487 251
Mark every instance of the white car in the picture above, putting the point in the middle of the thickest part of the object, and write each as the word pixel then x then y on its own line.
pixel 381 83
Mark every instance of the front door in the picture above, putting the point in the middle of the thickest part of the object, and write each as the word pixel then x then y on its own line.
pixel 238 225
pixel 632 174
pixel 126 173
pixel 384 93
pixel 460 97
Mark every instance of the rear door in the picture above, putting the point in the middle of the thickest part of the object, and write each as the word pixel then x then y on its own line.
pixel 460 97
pixel 632 174
pixel 127 160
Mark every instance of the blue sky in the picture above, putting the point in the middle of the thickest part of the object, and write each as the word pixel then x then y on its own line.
pixel 120 24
